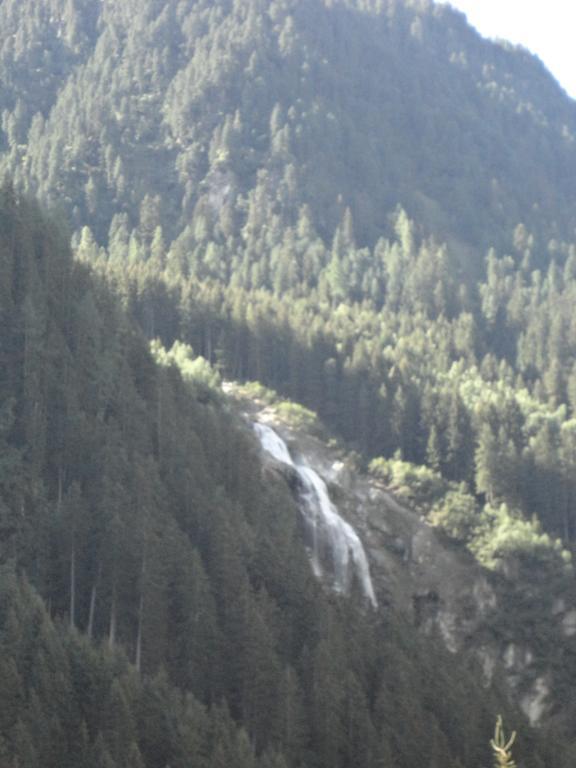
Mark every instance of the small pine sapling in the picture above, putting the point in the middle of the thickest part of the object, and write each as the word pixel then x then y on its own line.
pixel 502 746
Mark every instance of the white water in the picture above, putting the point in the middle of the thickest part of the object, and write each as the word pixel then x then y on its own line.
pixel 336 551
pixel 273 444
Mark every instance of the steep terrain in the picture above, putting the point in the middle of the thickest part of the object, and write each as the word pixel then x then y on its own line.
pixel 284 257
pixel 156 605
pixel 365 206
pixel 182 113
pixel 516 626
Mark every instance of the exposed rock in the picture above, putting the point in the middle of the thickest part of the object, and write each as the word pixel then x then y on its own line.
pixel 439 586
pixel 398 546
pixel 342 474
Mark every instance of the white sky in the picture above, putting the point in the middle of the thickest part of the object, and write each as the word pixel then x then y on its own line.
pixel 545 27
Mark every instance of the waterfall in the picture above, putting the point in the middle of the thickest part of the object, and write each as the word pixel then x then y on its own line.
pixel 336 551
pixel 273 444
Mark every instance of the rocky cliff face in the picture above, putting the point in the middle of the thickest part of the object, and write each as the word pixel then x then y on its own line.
pixel 437 585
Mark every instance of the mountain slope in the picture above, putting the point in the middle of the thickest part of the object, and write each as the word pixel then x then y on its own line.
pixel 242 163
pixel 176 592
pixel 503 600
pixel 213 106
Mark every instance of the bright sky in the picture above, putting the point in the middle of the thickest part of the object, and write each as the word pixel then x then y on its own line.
pixel 545 27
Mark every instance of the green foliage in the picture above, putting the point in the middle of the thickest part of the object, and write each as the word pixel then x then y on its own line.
pixel 185 624
pixel 418 485
pixel 298 416
pixel 497 536
pixel 254 391
pixel 196 371
pixel 207 125
pixel 457 514
pixel 504 536
pixel 233 221
pixel 228 168
pixel 293 414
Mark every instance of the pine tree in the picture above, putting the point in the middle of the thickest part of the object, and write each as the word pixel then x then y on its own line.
pixel 501 746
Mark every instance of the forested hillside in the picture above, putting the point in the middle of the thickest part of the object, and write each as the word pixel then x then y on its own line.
pixel 197 114
pixel 242 164
pixel 179 622
pixel 359 203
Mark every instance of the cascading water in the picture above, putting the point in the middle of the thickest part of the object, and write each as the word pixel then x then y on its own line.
pixel 273 444
pixel 336 551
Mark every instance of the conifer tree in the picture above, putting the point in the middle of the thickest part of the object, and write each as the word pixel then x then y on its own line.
pixel 502 746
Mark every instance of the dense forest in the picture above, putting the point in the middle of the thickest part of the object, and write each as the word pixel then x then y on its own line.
pixel 191 113
pixel 156 607
pixel 276 245
pixel 358 203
